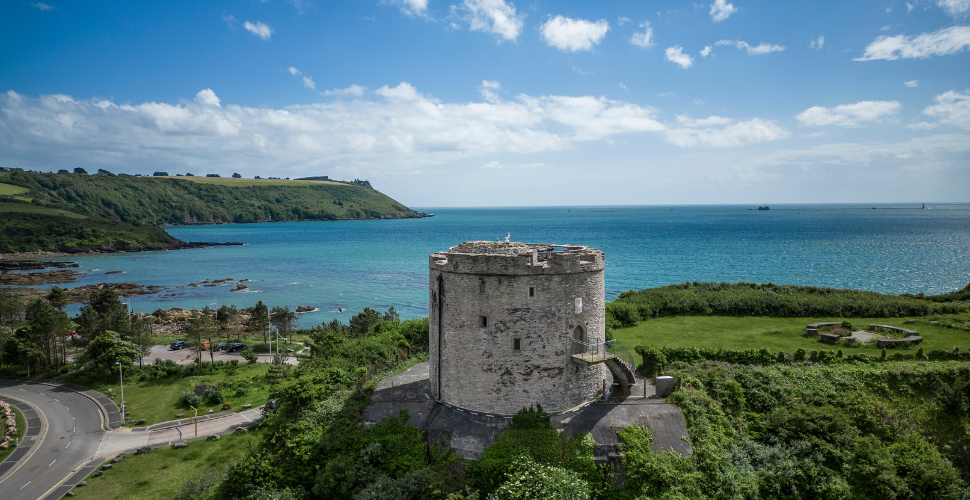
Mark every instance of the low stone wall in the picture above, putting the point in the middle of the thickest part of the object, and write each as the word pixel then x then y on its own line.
pixel 9 424
pixel 811 329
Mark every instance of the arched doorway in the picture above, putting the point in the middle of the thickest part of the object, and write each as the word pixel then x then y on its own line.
pixel 579 336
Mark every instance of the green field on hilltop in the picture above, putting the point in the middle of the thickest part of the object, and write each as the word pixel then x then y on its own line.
pixel 11 190
pixel 34 209
pixel 774 334
pixel 163 472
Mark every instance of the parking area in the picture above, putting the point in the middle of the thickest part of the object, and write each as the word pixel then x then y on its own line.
pixel 187 356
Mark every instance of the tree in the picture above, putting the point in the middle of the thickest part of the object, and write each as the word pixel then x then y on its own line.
pixel 160 174
pixel 283 319
pixel 44 324
pixel 103 312
pixel 105 173
pixel 226 317
pixel 236 176
pixel 11 309
pixel 105 350
pixel 201 325
pixel 140 334
pixel 259 319
pixel 79 170
pixel 57 297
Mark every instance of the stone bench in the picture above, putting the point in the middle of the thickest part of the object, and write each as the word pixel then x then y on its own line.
pixel 812 329
pixel 830 338
pixel 912 339
pixel 896 329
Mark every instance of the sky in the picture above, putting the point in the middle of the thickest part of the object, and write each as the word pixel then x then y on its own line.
pixel 501 103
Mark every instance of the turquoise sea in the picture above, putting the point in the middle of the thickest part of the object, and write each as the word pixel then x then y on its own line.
pixel 383 263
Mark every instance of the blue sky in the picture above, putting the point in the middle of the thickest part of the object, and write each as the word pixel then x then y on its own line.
pixel 493 102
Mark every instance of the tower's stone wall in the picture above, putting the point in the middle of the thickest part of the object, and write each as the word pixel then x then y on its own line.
pixel 479 367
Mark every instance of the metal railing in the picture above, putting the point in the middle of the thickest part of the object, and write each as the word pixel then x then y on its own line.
pixel 601 351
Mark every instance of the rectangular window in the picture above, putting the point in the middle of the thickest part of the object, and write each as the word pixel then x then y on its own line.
pixel 483 321
pixel 532 291
pixel 516 344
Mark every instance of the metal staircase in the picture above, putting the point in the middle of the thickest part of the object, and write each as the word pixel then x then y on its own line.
pixel 616 357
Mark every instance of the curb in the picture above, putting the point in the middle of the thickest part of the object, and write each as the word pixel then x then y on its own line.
pixel 183 421
pixel 109 410
pixel 33 429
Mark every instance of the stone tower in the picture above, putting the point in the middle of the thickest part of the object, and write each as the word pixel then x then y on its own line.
pixel 503 317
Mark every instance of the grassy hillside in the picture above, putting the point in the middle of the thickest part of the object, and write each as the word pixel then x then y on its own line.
pixel 202 200
pixel 45 229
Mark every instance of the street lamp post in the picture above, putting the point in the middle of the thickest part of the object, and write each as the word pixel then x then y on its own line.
pixel 122 378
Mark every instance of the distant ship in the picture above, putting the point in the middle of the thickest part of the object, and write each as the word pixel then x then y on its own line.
pixel 764 207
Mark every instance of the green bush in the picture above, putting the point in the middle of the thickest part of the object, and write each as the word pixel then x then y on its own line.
pixel 213 397
pixel 249 356
pixel 241 391
pixel 190 398
pixel 529 480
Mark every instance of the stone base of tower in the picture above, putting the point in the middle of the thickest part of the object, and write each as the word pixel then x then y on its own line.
pixel 468 433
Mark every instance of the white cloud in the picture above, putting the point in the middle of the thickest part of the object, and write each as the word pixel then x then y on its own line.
pixel 643 39
pixel 308 83
pixel 955 8
pixel 706 51
pixel 230 20
pixel 817 43
pixel 357 90
pixel 849 115
pixel 623 20
pixel 302 6
pixel 911 83
pixel 921 152
pixel 764 48
pixel 710 121
pixel 293 71
pixel 624 87
pixel 938 43
pixel 502 166
pixel 573 35
pixel 922 126
pixel 401 126
pixel 488 88
pixel 43 6
pixel 721 10
pixel 707 133
pixel 494 16
pixel 410 7
pixel 259 29
pixel 676 55
pixel 951 108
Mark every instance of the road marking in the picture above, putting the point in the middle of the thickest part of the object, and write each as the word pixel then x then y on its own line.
pixel 58 400
pixel 41 393
pixel 52 463
pixel 68 445
pixel 24 486
pixel 66 408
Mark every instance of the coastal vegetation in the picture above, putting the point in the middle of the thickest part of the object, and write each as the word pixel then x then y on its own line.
pixel 790 418
pixel 202 200
pixel 26 231
pixel 779 301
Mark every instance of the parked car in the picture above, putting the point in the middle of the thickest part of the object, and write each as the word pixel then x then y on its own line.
pixel 236 346
pixel 205 345
pixel 221 346
pixel 180 344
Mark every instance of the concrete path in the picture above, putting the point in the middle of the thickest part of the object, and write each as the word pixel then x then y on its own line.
pixel 127 438
pixel 187 356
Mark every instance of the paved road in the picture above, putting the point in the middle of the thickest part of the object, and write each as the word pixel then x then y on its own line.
pixel 72 426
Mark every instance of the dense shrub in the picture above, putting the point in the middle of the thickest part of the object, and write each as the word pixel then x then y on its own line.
pixel 752 299
pixel 190 398
pixel 213 397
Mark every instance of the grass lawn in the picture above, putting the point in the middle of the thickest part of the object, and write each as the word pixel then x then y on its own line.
pixel 11 190
pixel 157 400
pixel 774 334
pixel 34 209
pixel 21 430
pixel 229 181
pixel 159 474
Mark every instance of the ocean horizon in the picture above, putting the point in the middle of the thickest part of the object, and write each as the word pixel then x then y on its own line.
pixel 349 265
